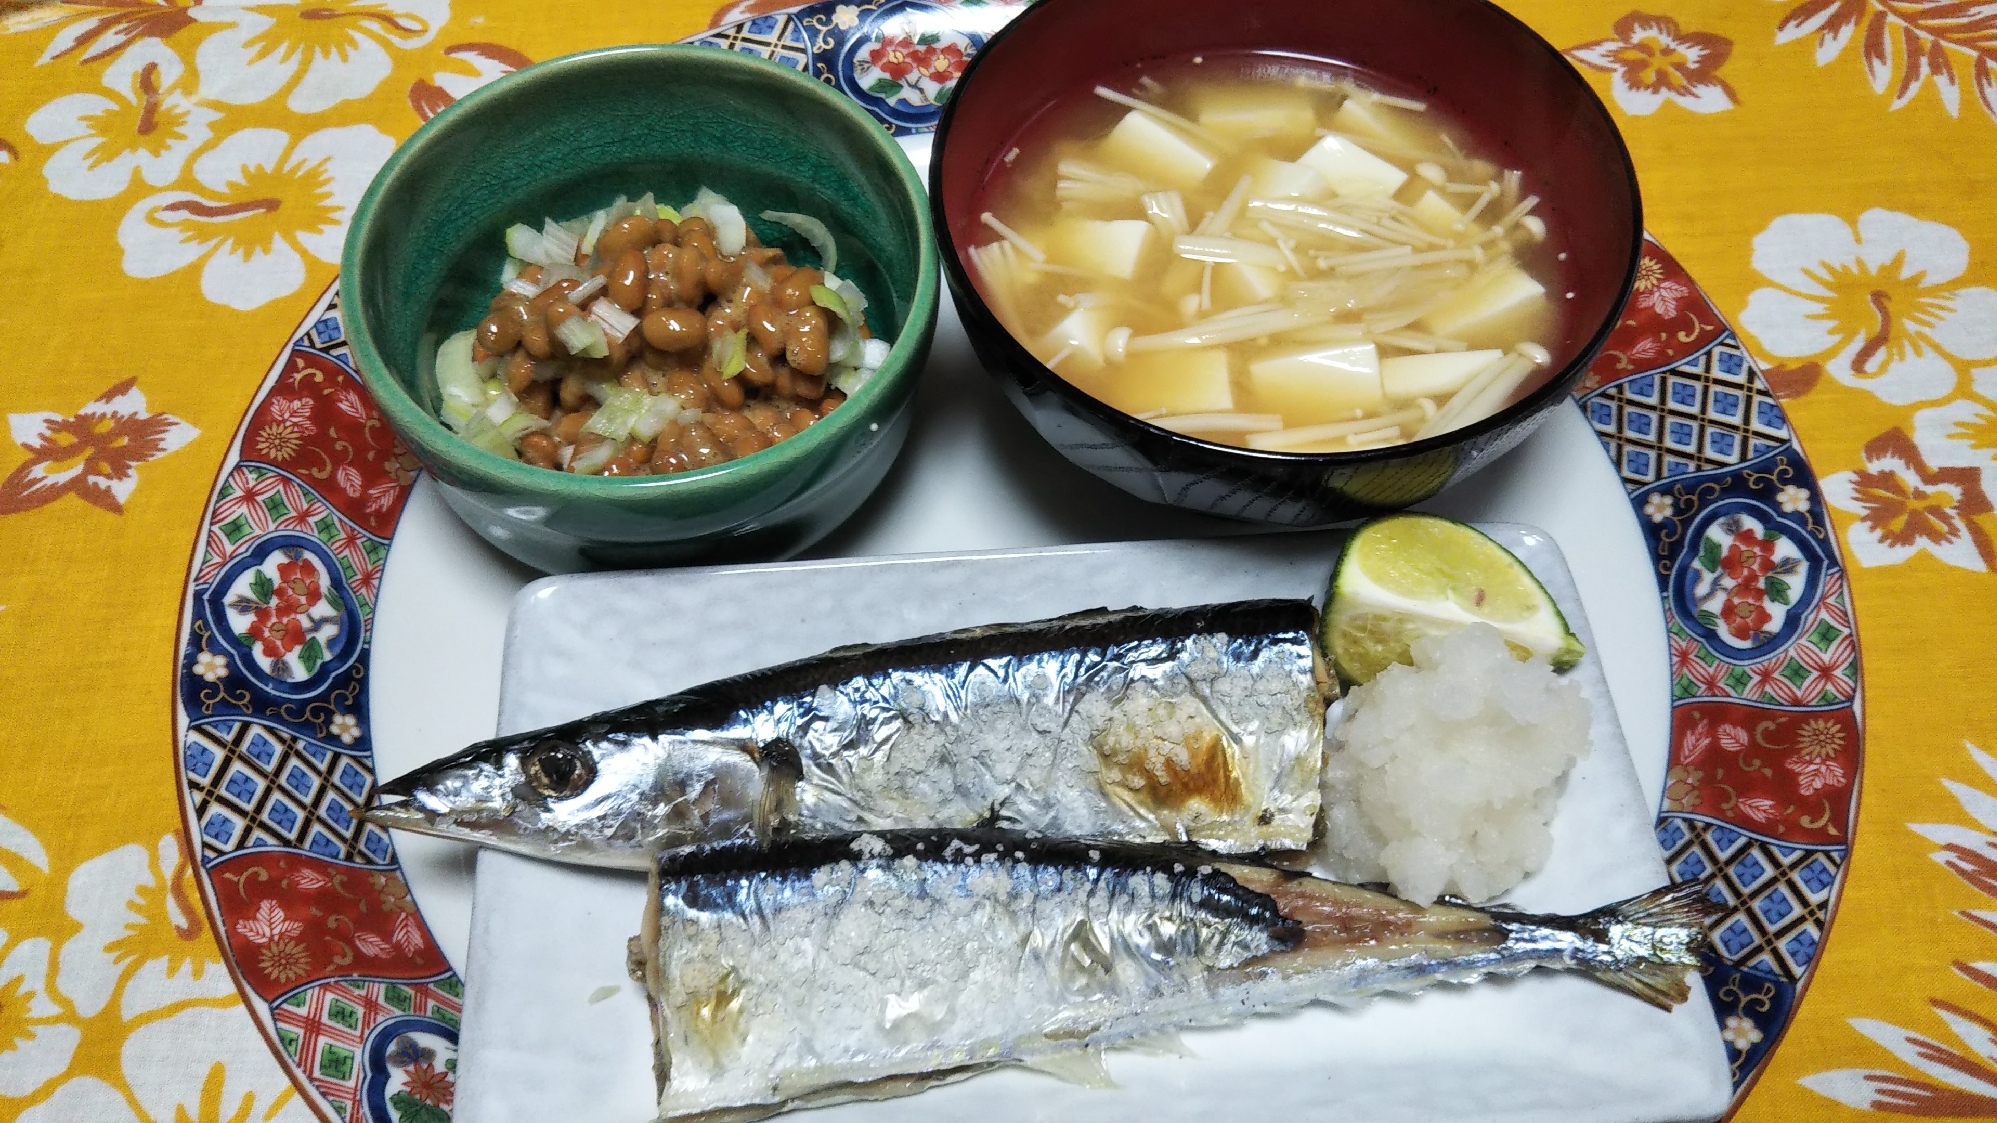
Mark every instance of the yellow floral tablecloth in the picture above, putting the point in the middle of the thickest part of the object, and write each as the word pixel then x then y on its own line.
pixel 174 182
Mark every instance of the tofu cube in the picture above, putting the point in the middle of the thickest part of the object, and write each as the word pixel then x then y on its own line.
pixel 1438 215
pixel 1505 298
pixel 1254 114
pixel 1280 179
pixel 1407 377
pixel 1148 150
pixel 1081 335
pixel 1193 381
pixel 1235 284
pixel 1318 383
pixel 1113 249
pixel 1350 169
pixel 1362 117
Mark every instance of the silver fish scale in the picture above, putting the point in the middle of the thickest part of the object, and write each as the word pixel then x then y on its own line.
pixel 1023 738
pixel 781 983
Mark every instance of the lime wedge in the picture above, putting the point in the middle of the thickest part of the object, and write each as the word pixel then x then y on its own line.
pixel 1407 576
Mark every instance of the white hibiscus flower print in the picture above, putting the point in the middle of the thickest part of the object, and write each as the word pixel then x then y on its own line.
pixel 333 51
pixel 203 1063
pixel 35 1044
pixel 262 202
pixel 1876 307
pixel 1961 434
pixel 150 126
pixel 141 913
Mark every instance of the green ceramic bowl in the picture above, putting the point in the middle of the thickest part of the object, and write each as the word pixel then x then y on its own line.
pixel 565 137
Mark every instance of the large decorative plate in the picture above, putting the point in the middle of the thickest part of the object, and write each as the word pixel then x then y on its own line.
pixel 276 740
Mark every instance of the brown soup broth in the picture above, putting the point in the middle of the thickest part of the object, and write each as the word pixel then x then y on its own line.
pixel 1296 147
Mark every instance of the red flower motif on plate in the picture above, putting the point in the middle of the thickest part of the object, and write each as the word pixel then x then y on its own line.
pixel 1749 558
pixel 939 64
pixel 276 632
pixel 1746 611
pixel 297 586
pixel 894 57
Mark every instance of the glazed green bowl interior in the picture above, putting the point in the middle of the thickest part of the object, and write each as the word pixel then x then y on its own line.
pixel 568 136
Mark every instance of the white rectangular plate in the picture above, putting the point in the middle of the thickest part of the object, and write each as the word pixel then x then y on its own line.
pixel 547 942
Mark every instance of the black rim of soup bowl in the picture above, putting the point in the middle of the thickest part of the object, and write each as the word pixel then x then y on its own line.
pixel 1165 450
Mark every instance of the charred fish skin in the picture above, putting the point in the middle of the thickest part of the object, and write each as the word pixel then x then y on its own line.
pixel 816 970
pixel 1202 725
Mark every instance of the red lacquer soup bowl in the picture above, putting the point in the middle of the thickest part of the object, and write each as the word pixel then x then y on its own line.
pixel 1499 82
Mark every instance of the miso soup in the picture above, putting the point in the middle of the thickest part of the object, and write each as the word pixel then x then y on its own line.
pixel 1270 252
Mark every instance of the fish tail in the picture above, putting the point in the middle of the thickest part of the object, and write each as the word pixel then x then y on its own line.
pixel 1647 944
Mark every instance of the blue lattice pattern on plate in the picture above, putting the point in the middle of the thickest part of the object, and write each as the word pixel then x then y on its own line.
pixel 777 37
pixel 254 784
pixel 1776 897
pixel 1711 410
pixel 323 1030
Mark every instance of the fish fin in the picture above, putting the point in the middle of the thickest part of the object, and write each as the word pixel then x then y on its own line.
pixel 1081 1067
pixel 1164 1043
pixel 1655 939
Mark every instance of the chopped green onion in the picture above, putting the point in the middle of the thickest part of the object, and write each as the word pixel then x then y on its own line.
pixel 846 345
pixel 503 403
pixel 619 412
pixel 525 243
pixel 457 413
pixel 521 424
pixel 831 301
pixel 587 289
pixel 509 270
pixel 558 244
pixel 483 434
pixel 583 337
pixel 856 301
pixel 731 230
pixel 812 231
pixel 458 378
pixel 731 353
pixel 615 321
pixel 669 214
pixel 591 461
pixel 848 380
pixel 596 224
pixel 659 412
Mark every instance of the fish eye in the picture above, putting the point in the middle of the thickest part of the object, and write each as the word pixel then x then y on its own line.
pixel 559 771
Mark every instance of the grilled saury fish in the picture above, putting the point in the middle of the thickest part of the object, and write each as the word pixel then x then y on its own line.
pixel 820 970
pixel 1200 725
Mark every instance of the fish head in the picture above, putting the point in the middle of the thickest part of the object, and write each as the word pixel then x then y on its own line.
pixel 590 794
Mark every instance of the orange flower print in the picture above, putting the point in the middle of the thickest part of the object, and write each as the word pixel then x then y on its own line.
pixel 484 61
pixel 429 1085
pixel 297 586
pixel 1905 506
pixel 1649 61
pixel 1681 789
pixel 284 960
pixel 93 454
pixel 1920 40
pixel 938 64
